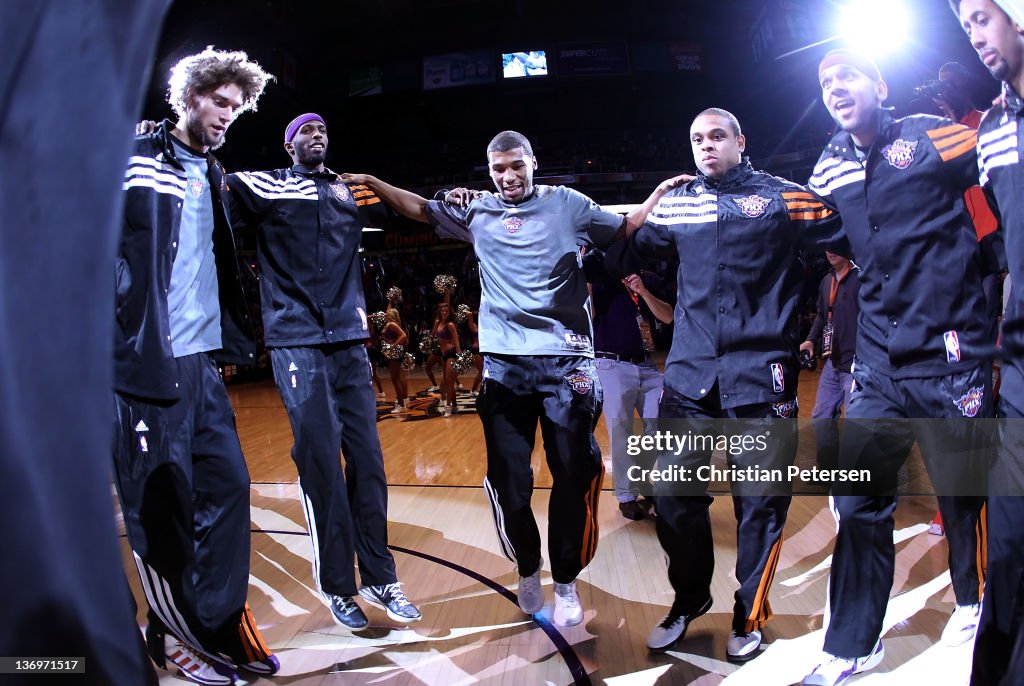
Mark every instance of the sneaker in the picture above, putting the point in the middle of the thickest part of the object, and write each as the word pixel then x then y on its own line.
pixel 268 666
pixel 962 625
pixel 743 647
pixel 433 389
pixel 398 409
pixel 568 611
pixel 531 595
pixel 381 396
pixel 195 666
pixel 346 612
pixel 631 509
pixel 936 528
pixel 673 627
pixel 447 412
pixel 836 670
pixel 390 597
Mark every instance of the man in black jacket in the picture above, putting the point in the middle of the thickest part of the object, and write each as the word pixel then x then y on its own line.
pixel 734 357
pixel 999 42
pixel 309 225
pixel 922 342
pixel 835 329
pixel 180 473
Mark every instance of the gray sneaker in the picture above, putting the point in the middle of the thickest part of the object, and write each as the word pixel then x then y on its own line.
pixel 531 595
pixel 568 611
pixel 390 598
pixel 346 612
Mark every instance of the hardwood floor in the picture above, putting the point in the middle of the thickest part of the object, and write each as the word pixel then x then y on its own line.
pixel 472 631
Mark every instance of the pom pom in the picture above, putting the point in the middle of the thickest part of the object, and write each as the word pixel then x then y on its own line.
pixel 378 319
pixel 463 362
pixel 429 345
pixel 461 313
pixel 444 283
pixel 392 351
pixel 408 362
pixel 394 295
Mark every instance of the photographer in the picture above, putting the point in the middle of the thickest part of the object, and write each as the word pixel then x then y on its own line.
pixel 835 326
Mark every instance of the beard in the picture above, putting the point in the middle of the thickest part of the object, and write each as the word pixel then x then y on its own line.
pixel 311 158
pixel 199 133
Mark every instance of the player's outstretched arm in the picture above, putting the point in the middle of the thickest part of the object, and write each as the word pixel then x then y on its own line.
pixel 402 201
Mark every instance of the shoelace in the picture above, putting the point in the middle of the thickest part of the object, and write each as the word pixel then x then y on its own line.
pixel 665 624
pixel 348 604
pixel 570 598
pixel 396 593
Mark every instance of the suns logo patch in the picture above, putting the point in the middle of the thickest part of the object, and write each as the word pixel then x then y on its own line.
pixel 512 224
pixel 196 186
pixel 785 409
pixel 900 153
pixel 340 191
pixel 752 205
pixel 970 402
pixel 580 382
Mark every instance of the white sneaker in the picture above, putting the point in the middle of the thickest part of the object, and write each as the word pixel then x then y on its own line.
pixel 447 412
pixel 962 625
pixel 743 647
pixel 398 409
pixel 672 627
pixel 381 396
pixel 433 389
pixel 195 666
pixel 568 611
pixel 836 670
pixel 531 595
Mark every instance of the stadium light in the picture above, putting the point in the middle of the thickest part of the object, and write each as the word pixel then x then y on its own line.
pixel 874 27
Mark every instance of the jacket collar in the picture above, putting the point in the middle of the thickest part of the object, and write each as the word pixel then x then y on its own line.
pixel 303 170
pixel 734 176
pixel 1014 103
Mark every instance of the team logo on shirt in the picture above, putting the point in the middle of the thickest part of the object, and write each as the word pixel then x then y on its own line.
pixel 340 191
pixel 512 224
pixel 753 205
pixel 900 153
pixel 196 186
pixel 580 382
pixel 785 409
pixel 970 402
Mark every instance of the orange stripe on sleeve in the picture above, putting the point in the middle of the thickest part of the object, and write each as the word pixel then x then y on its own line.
pixel 935 134
pixel 368 201
pixel 951 153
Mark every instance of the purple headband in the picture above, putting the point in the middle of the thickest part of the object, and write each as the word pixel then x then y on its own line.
pixel 296 124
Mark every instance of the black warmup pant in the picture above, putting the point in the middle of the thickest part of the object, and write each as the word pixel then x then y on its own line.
pixel 65 591
pixel 564 395
pixel 884 418
pixel 684 524
pixel 184 490
pixel 999 646
pixel 328 392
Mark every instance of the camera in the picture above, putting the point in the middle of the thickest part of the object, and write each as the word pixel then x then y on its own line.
pixel 935 88
pixel 808 361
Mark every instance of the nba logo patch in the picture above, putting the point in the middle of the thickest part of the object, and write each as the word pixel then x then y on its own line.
pixel 952 346
pixel 752 205
pixel 970 402
pixel 512 224
pixel 580 382
pixel 778 380
pixel 900 153
pixel 340 191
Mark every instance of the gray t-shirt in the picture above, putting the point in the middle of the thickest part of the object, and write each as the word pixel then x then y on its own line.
pixel 192 298
pixel 534 294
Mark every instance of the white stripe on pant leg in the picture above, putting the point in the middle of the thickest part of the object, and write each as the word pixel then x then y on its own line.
pixel 307 510
pixel 499 522
pixel 158 594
